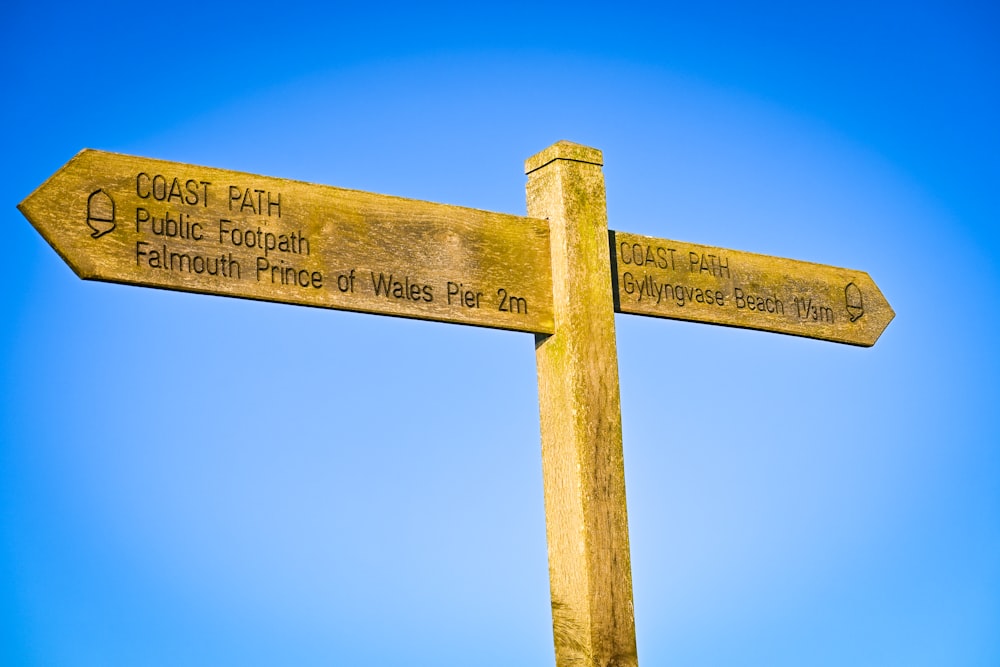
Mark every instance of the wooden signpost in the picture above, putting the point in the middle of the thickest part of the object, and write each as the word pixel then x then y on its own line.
pixel 555 274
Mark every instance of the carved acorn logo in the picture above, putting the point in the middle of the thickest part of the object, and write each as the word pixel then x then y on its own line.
pixel 855 304
pixel 100 213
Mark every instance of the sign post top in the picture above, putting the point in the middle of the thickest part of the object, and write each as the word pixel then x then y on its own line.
pixel 564 150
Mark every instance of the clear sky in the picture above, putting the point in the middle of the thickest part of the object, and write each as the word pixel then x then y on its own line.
pixel 196 480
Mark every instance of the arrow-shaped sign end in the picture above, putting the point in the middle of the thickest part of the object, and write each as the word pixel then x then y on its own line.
pixel 875 308
pixel 53 207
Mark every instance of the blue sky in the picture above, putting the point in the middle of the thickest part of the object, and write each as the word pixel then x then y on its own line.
pixel 196 480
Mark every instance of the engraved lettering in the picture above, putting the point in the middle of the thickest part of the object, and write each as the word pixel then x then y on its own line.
pixel 345 281
pixel 512 304
pixel 162 258
pixel 709 263
pixel 760 304
pixel 284 273
pixel 649 288
pixel 172 191
pixel 255 201
pixel 172 227
pixel 810 311
pixel 462 296
pixel 638 255
pixel 405 289
pixel 295 243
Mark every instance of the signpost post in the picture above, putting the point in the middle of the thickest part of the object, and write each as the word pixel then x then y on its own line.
pixel 175 226
pixel 590 572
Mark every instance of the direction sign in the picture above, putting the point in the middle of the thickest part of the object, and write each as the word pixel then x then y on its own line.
pixel 177 226
pixel 685 281
pixel 154 223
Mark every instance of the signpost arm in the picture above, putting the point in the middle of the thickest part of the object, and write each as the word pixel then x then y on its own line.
pixel 586 521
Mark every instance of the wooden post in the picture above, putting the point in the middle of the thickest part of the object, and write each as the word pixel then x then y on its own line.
pixel 590 572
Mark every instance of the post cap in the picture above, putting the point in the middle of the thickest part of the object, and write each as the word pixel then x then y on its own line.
pixel 564 150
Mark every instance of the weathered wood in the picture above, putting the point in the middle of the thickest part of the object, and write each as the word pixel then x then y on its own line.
pixel 586 520
pixel 176 226
pixel 686 281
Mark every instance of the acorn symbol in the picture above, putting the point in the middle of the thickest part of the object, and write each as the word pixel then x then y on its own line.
pixel 855 305
pixel 100 213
